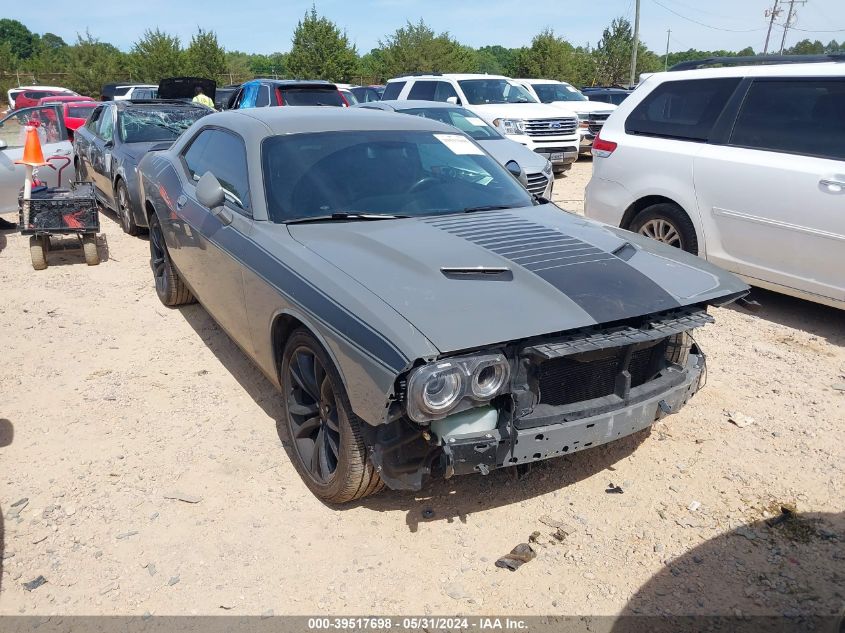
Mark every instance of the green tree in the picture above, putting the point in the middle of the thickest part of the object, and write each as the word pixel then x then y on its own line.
pixel 20 38
pixel 371 68
pixel 204 56
pixel 612 55
pixel 552 57
pixel 320 50
pixel 271 65
pixel 155 56
pixel 416 48
pixel 92 63
pixel 495 60
pixel 806 47
pixel 237 67
pixel 8 60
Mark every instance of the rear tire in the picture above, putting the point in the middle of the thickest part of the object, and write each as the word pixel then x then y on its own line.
pixel 668 223
pixel 325 436
pixel 89 249
pixel 170 288
pixel 38 251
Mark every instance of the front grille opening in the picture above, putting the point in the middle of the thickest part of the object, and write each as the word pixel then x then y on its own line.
pixel 587 376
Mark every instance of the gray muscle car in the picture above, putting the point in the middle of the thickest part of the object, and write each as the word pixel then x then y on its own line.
pixel 422 314
pixel 115 138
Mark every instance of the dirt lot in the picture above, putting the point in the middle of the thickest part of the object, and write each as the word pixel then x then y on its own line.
pixel 112 405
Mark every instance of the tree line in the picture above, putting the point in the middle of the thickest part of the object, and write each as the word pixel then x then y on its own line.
pixel 321 50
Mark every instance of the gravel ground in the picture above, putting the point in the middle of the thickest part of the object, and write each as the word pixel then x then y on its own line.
pixel 141 470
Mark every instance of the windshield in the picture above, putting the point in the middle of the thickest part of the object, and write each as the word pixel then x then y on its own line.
pixel 144 125
pixel 549 93
pixel 481 91
pixel 311 96
pixel 392 172
pixel 464 120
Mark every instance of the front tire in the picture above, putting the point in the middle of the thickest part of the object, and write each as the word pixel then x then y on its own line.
pixel 170 288
pixel 124 209
pixel 328 449
pixel 667 223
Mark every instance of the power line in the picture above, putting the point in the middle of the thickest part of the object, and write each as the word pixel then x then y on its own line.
pixel 709 26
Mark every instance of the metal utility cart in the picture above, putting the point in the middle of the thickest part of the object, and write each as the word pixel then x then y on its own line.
pixel 60 212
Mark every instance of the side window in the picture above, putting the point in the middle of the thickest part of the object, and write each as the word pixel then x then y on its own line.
pixel 263 98
pixel 235 102
pixel 106 128
pixel 392 90
pixel 224 155
pixel 45 119
pixel 685 110
pixel 445 90
pixel 423 90
pixel 93 123
pixel 249 94
pixel 796 116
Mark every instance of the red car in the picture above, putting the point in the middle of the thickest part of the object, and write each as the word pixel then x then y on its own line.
pixel 30 96
pixel 75 110
pixel 62 99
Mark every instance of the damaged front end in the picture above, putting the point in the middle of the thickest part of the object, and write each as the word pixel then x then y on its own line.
pixel 526 401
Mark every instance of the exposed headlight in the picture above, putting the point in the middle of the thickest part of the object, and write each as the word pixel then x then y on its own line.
pixel 510 126
pixel 437 389
pixel 547 170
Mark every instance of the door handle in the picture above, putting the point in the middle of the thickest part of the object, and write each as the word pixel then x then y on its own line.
pixel 180 201
pixel 833 185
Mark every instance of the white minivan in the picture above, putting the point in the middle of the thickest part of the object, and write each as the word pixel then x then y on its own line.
pixel 744 166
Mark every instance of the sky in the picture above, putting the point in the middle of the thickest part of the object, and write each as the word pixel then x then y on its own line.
pixel 262 27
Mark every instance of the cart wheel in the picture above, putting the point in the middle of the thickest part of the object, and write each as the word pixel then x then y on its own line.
pixel 38 251
pixel 89 248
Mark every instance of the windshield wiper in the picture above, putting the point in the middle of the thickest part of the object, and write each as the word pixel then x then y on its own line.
pixel 345 216
pixel 489 207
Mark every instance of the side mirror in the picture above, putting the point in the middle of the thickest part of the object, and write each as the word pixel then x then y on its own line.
pixel 452 100
pixel 109 144
pixel 3 144
pixel 513 167
pixel 210 193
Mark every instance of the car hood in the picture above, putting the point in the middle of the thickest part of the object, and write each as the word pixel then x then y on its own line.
pixel 583 106
pixel 492 111
pixel 474 280
pixel 505 150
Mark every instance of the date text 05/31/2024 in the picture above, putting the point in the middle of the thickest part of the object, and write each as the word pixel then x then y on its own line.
pixel 417 623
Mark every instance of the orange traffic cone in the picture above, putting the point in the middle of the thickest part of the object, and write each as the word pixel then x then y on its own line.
pixel 32 154
pixel 32 157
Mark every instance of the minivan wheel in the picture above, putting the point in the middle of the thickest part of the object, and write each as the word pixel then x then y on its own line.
pixel 666 222
pixel 328 448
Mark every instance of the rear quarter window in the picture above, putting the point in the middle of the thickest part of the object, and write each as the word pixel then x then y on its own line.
pixel 392 90
pixel 685 110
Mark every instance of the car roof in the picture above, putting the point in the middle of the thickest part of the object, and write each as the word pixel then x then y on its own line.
pixel 56 88
pixel 456 76
pixel 824 69
pixel 411 104
pixel 294 82
pixel 543 81
pixel 305 119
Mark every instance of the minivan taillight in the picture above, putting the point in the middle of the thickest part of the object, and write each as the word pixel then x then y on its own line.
pixel 601 147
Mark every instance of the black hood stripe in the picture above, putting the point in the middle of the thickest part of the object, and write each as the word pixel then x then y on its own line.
pixel 601 284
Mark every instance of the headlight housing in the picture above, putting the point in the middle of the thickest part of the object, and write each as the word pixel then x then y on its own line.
pixel 510 126
pixel 438 389
pixel 583 119
pixel 547 170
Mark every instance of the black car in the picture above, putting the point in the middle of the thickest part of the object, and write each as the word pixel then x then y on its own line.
pixel 223 95
pixel 367 94
pixel 606 94
pixel 263 93
pixel 115 138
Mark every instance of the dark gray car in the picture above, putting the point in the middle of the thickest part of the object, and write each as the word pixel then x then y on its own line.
pixel 115 138
pixel 535 171
pixel 421 313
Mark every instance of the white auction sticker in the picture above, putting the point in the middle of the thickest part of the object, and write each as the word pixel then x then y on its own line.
pixel 476 121
pixel 571 89
pixel 458 144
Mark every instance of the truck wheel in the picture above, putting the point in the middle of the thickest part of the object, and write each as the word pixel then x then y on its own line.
pixel 328 449
pixel 38 251
pixel 170 288
pixel 89 249
pixel 124 210
pixel 668 223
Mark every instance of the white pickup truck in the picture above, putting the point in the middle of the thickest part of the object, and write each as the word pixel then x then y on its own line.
pixel 563 96
pixel 503 104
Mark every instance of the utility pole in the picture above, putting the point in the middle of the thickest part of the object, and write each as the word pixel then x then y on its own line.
pixel 788 22
pixel 666 59
pixel 771 14
pixel 636 46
